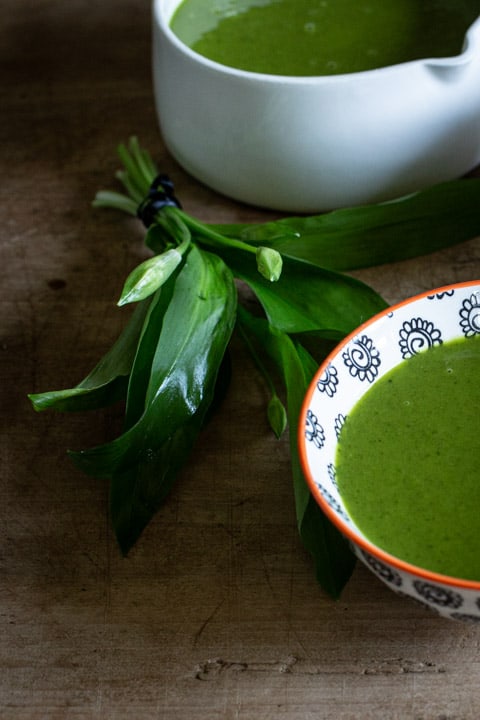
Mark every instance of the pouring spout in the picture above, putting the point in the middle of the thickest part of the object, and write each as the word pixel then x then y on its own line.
pixel 448 71
pixel 451 69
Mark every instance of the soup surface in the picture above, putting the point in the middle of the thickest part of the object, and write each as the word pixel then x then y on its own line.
pixel 322 37
pixel 411 481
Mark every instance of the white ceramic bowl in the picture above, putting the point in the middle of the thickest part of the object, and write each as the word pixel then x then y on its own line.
pixel 307 144
pixel 359 361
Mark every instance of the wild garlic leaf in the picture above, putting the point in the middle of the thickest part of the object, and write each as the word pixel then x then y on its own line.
pixel 277 415
pixel 146 348
pixel 137 490
pixel 147 277
pixel 307 298
pixel 369 235
pixel 334 562
pixel 107 382
pixel 195 331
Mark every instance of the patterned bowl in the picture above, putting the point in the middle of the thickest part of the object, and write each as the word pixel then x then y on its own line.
pixel 351 369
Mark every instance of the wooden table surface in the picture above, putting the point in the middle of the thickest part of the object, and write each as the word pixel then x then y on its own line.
pixel 215 613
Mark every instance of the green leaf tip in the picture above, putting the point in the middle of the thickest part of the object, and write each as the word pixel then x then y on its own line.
pixel 277 416
pixel 149 276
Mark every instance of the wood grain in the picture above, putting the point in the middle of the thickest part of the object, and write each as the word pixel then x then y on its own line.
pixel 216 613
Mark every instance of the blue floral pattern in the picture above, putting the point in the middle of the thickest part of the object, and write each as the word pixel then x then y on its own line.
pixel 333 502
pixel 362 359
pixel 438 595
pixel 470 316
pixel 339 423
pixel 328 382
pixel 465 617
pixel 314 432
pixel 386 573
pixel 417 335
pixel 332 474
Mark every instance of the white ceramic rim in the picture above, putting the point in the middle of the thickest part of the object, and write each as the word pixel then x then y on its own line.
pixel 163 20
pixel 344 527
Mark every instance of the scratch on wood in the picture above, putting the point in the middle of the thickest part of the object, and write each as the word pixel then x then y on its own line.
pixel 397 666
pixel 207 621
pixel 211 669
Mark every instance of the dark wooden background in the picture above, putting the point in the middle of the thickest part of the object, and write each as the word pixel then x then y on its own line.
pixel 215 613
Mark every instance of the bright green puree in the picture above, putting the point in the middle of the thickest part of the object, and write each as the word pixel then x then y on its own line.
pixel 408 460
pixel 322 37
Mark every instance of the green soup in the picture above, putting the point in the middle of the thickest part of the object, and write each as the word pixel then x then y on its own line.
pixel 322 37
pixel 411 481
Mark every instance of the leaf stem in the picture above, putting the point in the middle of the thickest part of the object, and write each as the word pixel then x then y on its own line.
pixel 133 192
pixel 211 237
pixel 116 201
pixel 145 165
pixel 135 174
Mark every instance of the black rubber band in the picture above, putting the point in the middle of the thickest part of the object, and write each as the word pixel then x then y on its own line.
pixel 160 195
